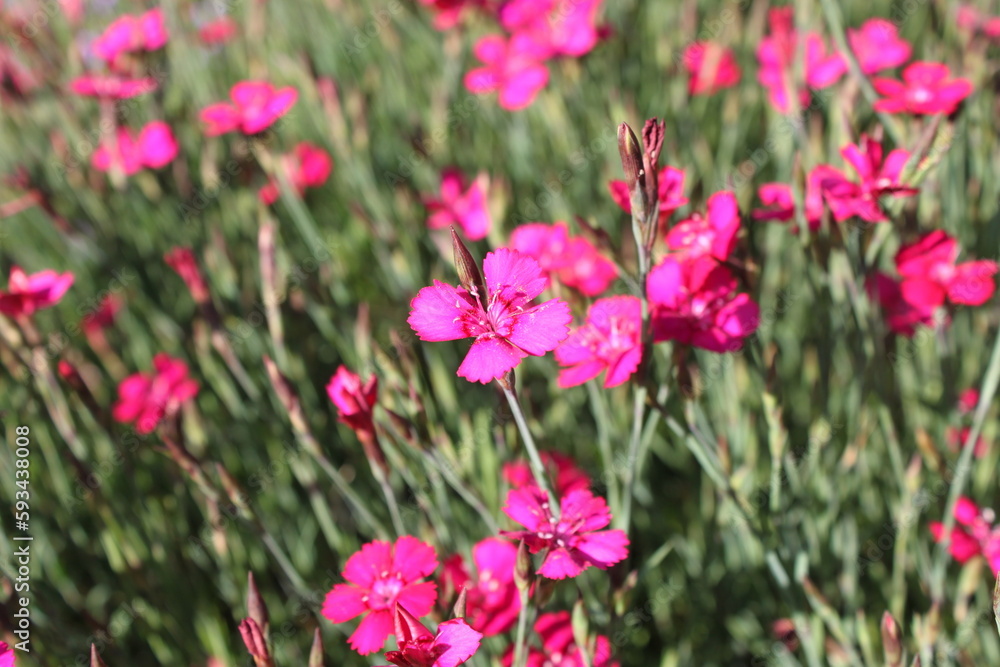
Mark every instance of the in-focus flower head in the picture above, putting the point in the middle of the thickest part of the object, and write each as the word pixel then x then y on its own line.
pixel 575 540
pixel 148 398
pixel 27 293
pixel 492 604
pixel 256 105
pixel 154 147
pixel 711 67
pixel 308 166
pixel 380 576
pixel 504 324
pixel 926 89
pixel 460 205
pixel 609 341
pixel 452 644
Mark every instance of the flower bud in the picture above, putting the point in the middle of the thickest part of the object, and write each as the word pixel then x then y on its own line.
pixel 524 574
pixel 891 646
pixel 468 271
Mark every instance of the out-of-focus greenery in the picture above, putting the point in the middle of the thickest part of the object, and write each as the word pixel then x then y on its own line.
pixel 828 429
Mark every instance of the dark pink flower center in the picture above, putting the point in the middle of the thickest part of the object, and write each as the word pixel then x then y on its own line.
pixel 384 593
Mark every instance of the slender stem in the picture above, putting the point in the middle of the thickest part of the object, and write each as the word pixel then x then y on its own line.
pixel 638 411
pixel 390 499
pixel 962 471
pixel 520 654
pixel 537 468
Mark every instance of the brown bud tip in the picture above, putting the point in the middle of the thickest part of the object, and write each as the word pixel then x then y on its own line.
pixel 95 658
pixel 652 139
pixel 256 608
pixel 458 611
pixel 631 154
pixel 316 653
pixel 253 638
pixel 891 646
pixel 523 569
pixel 468 271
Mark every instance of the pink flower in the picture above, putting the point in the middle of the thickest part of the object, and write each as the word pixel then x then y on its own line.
pixel 692 303
pixel 712 235
pixel 308 166
pixel 878 46
pixel 6 655
pixel 182 260
pixel 505 325
pixel 930 275
pixel 559 27
pixel 147 399
pixel 575 540
pixel 670 189
pixel 146 32
pixel 974 536
pixel 610 340
pixel 111 86
pixel 559 648
pixel 256 106
pixel 778 53
pixel 219 31
pixel 380 576
pixel 968 400
pixel 778 201
pixel 902 316
pixel 454 643
pixel 493 603
pixel 514 67
pixel 711 67
pixel 573 260
pixel 879 178
pixel 560 467
pixel 353 399
pixel 27 293
pixel 103 316
pixel 925 89
pixel 448 13
pixel 154 147
pixel 460 206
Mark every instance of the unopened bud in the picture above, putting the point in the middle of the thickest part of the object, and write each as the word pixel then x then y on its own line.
pixel 891 646
pixel 256 608
pixel 523 570
pixel 316 654
pixel 95 658
pixel 253 639
pixel 468 271
pixel 632 164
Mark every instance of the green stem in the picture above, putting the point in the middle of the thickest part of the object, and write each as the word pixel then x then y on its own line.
pixel 520 654
pixel 537 468
pixel 638 411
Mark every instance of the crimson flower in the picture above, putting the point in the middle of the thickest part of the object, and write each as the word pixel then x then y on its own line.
pixel 930 275
pixel 453 644
pixel 573 260
pixel 448 13
pixel 460 206
pixel 574 541
pixel 147 399
pixel 610 340
pixel 154 147
pixel 712 235
pixel 181 259
pixel 559 649
pixel 308 166
pixel 27 293
pixel 353 399
pixel 380 576
pixel 711 67
pixel 103 316
pixel 256 106
pixel 492 601
pixel 878 46
pixel 925 89
pixel 505 325
pixel 974 535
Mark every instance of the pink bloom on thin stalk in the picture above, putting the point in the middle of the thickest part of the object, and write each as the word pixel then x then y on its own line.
pixel 514 67
pixel 504 324
pixel 574 541
pixel 379 576
pixel 27 293
pixel 926 89
pixel 492 604
pixel 609 341
pixel 670 189
pixel 256 106
pixel 147 399
pixel 878 46
pixel 452 644
pixel 110 86
pixel 711 67
pixel 560 468
pixel 931 276
pixel 307 166
pixel 712 235
pixel 572 260
pixel 974 535
pixel 354 400
pixel 693 302
pixel 778 53
pixel 460 206
pixel 154 147
pixel 559 649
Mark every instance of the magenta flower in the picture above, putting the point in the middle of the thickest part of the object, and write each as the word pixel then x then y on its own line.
pixel 27 293
pixel 559 27
pixel 778 201
pixel 575 540
pixel 492 603
pixel 182 260
pixel 145 32
pixel 454 643
pixel 878 46
pixel 974 535
pixel 460 206
pixel 879 178
pixel 560 467
pixel 6 655
pixel 353 399
pixel 902 316
pixel 515 68
pixel 712 235
pixel 610 340
pixel 559 649
pixel 110 86
pixel 572 260
pixel 147 399
pixel 256 106
pixel 693 303
pixel 379 576
pixel 219 31
pixel 670 190
pixel 505 325
pixel 925 89
pixel 154 147
pixel 930 275
pixel 448 13
pixel 307 166
pixel 778 53
pixel 711 67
